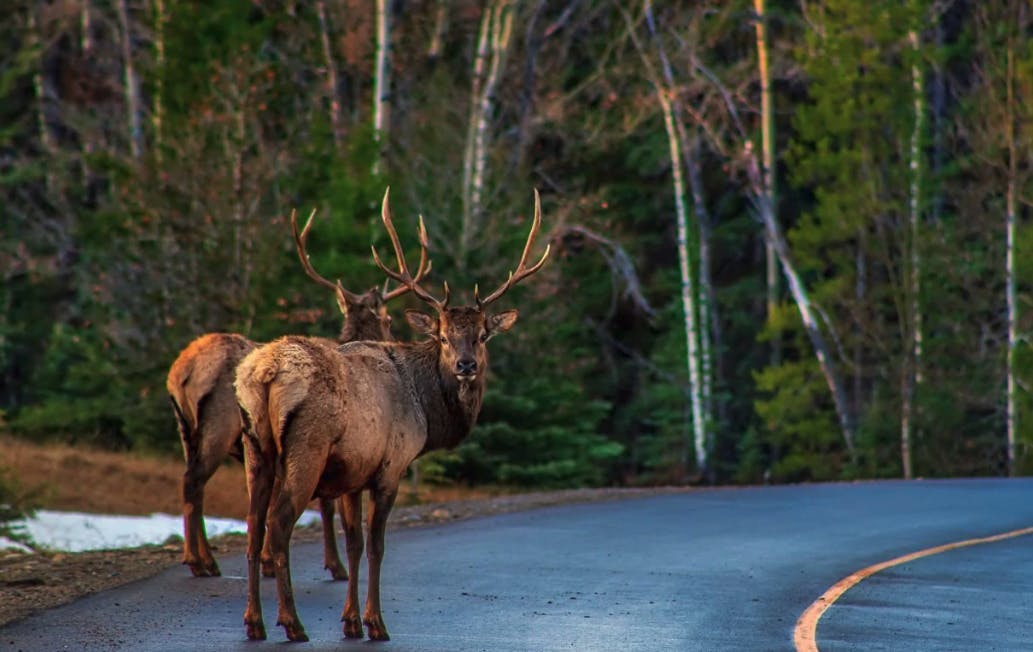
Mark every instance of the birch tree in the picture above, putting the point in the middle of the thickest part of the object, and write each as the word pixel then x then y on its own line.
pixel 332 83
pixel 492 47
pixel 765 212
pixel 689 297
pixel 161 19
pixel 767 125
pixel 131 81
pixel 911 370
pixel 381 81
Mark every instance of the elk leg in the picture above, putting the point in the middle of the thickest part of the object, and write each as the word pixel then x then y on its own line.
pixel 197 554
pixel 331 557
pixel 295 492
pixel 381 501
pixel 260 477
pixel 351 516
pixel 268 567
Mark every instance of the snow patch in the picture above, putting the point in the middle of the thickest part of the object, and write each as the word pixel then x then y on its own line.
pixel 79 532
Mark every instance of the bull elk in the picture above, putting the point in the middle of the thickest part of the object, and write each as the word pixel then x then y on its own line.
pixel 331 421
pixel 200 386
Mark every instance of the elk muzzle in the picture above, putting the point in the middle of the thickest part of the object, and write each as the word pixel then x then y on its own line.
pixel 466 368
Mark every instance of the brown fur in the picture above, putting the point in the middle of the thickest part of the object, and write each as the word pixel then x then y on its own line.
pixel 331 421
pixel 200 385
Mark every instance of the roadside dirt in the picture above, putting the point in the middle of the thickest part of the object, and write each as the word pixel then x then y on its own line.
pixel 122 484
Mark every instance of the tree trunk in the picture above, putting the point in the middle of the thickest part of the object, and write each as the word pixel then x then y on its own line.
pixel 500 17
pixel 1009 263
pixel 912 362
pixel 331 75
pixel 480 66
pixel 157 119
pixel 773 233
pixel 768 168
pixel 381 82
pixel 689 296
pixel 132 82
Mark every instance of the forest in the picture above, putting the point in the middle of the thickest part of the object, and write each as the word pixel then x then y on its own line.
pixel 789 238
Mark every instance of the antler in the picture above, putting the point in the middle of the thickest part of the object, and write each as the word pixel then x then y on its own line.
pixel 403 275
pixel 299 241
pixel 522 271
pixel 421 271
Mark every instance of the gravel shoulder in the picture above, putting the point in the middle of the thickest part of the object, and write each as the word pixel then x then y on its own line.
pixel 30 583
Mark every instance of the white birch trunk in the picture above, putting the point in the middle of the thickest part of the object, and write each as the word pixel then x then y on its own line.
pixel 158 117
pixel 381 81
pixel 773 232
pixel 501 28
pixel 1012 417
pixel 689 296
pixel 132 82
pixel 86 44
pixel 331 74
pixel 912 364
pixel 480 67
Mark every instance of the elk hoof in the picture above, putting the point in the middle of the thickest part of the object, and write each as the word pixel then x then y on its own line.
pixel 201 569
pixel 295 632
pixel 352 627
pixel 337 571
pixel 255 630
pixel 377 629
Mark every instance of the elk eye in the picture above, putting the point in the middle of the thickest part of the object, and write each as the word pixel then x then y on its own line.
pixel 483 337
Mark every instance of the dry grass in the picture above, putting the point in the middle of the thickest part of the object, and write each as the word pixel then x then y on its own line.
pixel 74 478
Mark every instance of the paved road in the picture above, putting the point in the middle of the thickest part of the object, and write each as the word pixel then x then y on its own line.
pixel 711 570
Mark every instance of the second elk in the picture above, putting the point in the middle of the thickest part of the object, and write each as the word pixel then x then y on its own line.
pixel 333 421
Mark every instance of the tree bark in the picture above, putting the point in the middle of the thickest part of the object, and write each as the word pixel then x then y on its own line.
pixel 773 233
pixel 332 81
pixel 664 92
pixel 500 28
pixel 1010 198
pixel 157 120
pixel 768 168
pixel 912 362
pixel 132 83
pixel 381 82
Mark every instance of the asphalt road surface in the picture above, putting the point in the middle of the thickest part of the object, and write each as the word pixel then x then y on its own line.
pixel 710 570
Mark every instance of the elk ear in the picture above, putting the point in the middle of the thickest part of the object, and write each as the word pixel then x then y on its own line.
pixel 501 322
pixel 422 323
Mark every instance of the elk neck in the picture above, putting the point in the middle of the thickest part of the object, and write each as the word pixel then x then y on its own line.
pixel 451 407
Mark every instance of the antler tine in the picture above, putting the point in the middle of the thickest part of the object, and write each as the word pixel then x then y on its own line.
pixel 299 242
pixel 403 275
pixel 421 271
pixel 522 271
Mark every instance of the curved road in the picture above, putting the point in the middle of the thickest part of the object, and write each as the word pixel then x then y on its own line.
pixel 708 570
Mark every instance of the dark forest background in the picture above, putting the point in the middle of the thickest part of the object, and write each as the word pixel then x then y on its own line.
pixel 150 151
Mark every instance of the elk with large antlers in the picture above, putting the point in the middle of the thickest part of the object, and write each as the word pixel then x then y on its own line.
pixel 200 385
pixel 332 421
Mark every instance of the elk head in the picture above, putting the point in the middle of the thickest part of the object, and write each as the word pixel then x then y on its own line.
pixel 365 314
pixel 460 332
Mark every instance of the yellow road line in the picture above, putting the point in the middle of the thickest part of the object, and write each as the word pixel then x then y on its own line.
pixel 805 633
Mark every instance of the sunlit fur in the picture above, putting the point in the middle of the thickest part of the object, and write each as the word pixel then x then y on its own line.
pixel 332 421
pixel 200 385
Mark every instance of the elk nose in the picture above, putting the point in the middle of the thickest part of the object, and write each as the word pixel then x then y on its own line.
pixel 466 367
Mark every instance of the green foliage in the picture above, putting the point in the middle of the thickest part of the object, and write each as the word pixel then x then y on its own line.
pixel 537 432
